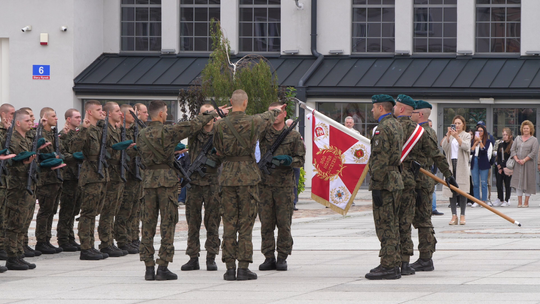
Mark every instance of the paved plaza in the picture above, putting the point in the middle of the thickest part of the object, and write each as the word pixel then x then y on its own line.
pixel 488 260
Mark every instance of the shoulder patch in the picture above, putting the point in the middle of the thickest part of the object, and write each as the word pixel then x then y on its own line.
pixel 377 132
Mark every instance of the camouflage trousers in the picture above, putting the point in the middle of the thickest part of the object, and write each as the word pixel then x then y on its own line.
pixel 196 197
pixel 159 201
pixel 422 222
pixel 49 198
pixel 18 215
pixel 239 207
pixel 111 205
pixel 123 220
pixel 135 219
pixel 70 205
pixel 276 209
pixel 92 197
pixel 386 217
pixel 3 193
pixel 406 216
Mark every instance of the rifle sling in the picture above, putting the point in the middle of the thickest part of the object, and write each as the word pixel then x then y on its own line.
pixel 235 133
pixel 162 159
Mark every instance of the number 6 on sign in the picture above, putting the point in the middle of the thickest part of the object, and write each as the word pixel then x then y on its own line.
pixel 41 72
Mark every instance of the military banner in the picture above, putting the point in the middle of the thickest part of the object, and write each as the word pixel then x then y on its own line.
pixel 340 157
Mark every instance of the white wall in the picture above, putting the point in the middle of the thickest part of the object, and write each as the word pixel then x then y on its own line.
pixel 466 25
pixel 404 25
pixel 229 22
pixel 170 25
pixel 296 27
pixel 530 23
pixel 334 26
pixel 111 25
pixel 4 70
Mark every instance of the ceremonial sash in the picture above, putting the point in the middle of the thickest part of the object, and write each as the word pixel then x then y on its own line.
pixel 411 142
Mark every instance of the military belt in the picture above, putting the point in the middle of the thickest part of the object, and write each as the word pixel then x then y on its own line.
pixel 238 158
pixel 211 170
pixel 393 168
pixel 158 167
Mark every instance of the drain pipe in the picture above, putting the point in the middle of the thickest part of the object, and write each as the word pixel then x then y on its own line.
pixel 301 88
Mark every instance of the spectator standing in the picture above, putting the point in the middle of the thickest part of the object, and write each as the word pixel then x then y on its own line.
pixel 481 151
pixel 525 153
pixel 503 180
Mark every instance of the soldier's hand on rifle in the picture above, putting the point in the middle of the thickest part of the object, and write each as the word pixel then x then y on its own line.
pixel 4 157
pixel 45 145
pixel 30 159
pixel 131 146
pixel 451 181
pixel 180 151
pixel 58 167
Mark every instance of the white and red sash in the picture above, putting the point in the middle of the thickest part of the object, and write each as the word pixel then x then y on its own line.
pixel 411 142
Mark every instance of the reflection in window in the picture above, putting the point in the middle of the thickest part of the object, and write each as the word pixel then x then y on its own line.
pixel 360 112
pixel 498 26
pixel 195 18
pixel 260 26
pixel 435 29
pixel 171 105
pixel 472 116
pixel 373 26
pixel 511 118
pixel 140 25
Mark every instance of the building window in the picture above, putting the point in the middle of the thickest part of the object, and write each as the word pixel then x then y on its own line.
pixel 171 106
pixel 141 26
pixel 195 18
pixel 360 113
pixel 373 26
pixel 260 26
pixel 435 26
pixel 498 26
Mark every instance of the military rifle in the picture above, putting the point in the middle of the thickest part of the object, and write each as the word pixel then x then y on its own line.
pixel 138 164
pixel 3 168
pixel 198 165
pixel 123 153
pixel 218 110
pixel 102 161
pixel 265 163
pixel 185 176
pixel 139 122
pixel 32 170
pixel 57 151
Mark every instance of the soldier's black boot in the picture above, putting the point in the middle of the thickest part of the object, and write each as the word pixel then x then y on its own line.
pixel 281 264
pixel 14 264
pixel 230 275
pixel 128 249
pixel 124 252
pixel 150 274
pixel 134 247
pixel 44 248
pixel 30 265
pixel 163 273
pixel 211 264
pixel 3 255
pixel 192 264
pixel 73 243
pixel 68 247
pixel 423 265
pixel 269 264
pixel 376 268
pixel 29 252
pixel 91 255
pixel 112 252
pixel 245 274
pixel 3 269
pixel 406 269
pixel 57 249
pixel 384 274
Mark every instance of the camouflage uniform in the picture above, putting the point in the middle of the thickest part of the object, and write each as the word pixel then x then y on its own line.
pixel 203 190
pixel 277 193
pixel 424 191
pixel 48 194
pixel 19 203
pixel 386 185
pixel 130 199
pixel 3 192
pixel 238 180
pixel 156 144
pixel 114 190
pixel 30 136
pixel 70 200
pixel 88 140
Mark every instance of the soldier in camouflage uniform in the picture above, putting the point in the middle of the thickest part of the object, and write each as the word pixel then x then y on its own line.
pixel 132 192
pixel 70 200
pixel 204 190
pixel 49 186
pixel 277 193
pixel 425 187
pixel 156 144
pixel 386 185
pixel 6 113
pixel 235 140
pixel 88 140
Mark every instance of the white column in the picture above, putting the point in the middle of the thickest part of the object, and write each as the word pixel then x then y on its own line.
pixel 466 25
pixel 334 26
pixel 111 26
pixel 530 23
pixel 229 22
pixel 170 26
pixel 4 70
pixel 296 26
pixel 404 25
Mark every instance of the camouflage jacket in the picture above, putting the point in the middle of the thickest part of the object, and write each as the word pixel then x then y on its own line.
pixel 163 139
pixel 195 144
pixel 433 155
pixel 249 127
pixel 113 156
pixel 88 141
pixel 3 133
pixel 71 168
pixel 46 175
pixel 131 154
pixel 386 145
pixel 18 171
pixel 292 145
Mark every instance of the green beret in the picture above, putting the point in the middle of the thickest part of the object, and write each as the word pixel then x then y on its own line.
pixel 4 151
pixel 421 104
pixel 78 156
pixel 51 162
pixel 23 155
pixel 405 99
pixel 179 147
pixel 44 156
pixel 41 142
pixel 382 98
pixel 122 145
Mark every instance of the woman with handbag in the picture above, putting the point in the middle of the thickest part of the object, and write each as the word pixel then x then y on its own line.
pixel 504 176
pixel 525 153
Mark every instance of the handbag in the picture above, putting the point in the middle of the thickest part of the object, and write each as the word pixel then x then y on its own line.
pixel 510 163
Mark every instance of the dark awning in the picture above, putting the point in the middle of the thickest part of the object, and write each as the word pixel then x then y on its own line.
pixel 336 76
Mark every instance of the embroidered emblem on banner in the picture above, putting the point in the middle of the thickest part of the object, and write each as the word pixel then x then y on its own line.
pixel 331 164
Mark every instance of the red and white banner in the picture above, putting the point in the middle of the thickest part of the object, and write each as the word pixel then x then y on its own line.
pixel 340 158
